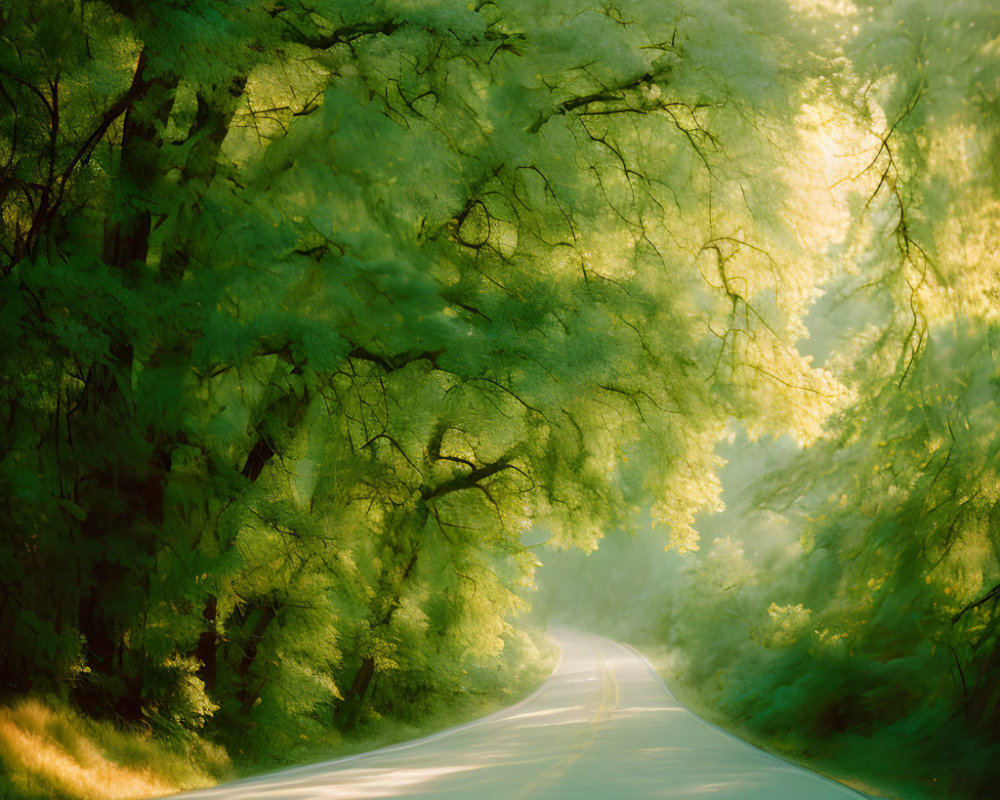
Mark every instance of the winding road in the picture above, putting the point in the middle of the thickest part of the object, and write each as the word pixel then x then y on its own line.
pixel 603 726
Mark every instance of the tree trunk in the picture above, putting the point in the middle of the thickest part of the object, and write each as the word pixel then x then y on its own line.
pixel 126 241
pixel 208 643
pixel 213 119
pixel 247 694
pixel 391 587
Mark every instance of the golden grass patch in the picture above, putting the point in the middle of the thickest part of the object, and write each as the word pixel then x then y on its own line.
pixel 48 752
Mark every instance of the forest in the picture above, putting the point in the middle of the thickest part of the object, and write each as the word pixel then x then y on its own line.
pixel 328 323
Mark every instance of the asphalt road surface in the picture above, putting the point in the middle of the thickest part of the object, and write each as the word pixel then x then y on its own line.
pixel 604 726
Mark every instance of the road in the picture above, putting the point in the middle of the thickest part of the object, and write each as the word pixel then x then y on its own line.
pixel 603 726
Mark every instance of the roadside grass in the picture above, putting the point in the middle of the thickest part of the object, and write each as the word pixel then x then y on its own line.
pixel 49 751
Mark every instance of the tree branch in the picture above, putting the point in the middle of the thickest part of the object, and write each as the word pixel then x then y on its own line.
pixel 470 481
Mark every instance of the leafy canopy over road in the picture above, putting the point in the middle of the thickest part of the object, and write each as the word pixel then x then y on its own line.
pixel 311 309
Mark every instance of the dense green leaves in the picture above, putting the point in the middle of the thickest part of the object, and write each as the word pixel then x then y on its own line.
pixel 313 310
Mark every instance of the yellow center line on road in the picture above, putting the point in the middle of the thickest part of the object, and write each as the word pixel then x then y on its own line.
pixel 609 688
pixel 610 697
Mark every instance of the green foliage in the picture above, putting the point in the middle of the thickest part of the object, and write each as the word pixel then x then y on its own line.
pixel 174 695
pixel 314 309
